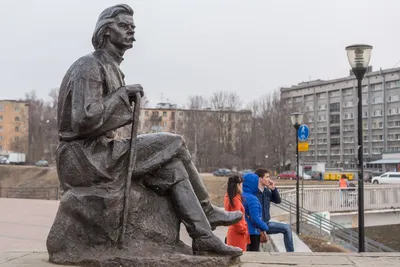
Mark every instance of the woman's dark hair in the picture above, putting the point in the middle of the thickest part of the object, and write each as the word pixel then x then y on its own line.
pixel 233 181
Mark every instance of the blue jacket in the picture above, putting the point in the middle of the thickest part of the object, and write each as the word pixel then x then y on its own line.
pixel 265 199
pixel 252 206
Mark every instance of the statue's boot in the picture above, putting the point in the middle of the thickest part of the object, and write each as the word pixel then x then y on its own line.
pixel 192 216
pixel 216 216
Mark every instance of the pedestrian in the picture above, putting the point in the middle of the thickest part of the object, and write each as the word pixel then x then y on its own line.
pixel 238 235
pixel 343 184
pixel 267 193
pixel 253 212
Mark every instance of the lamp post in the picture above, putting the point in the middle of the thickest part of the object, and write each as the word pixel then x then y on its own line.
pixel 359 56
pixel 297 119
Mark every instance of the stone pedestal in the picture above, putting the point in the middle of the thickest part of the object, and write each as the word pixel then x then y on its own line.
pixel 87 226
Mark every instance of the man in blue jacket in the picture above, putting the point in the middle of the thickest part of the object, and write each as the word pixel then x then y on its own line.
pixel 253 211
pixel 267 193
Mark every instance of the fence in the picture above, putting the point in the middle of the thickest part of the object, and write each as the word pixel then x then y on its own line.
pixel 30 192
pixel 336 233
pixel 334 200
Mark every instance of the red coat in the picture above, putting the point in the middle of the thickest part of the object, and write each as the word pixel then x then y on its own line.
pixel 238 235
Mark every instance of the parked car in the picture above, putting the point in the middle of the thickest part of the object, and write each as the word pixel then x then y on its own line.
pixel 314 175
pixel 4 160
pixel 387 178
pixel 368 175
pixel 243 172
pixel 42 163
pixel 291 175
pixel 222 172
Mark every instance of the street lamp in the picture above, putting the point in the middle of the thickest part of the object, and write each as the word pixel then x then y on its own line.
pixel 297 119
pixel 359 56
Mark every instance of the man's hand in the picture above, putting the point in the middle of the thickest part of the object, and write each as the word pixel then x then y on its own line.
pixel 132 90
pixel 271 184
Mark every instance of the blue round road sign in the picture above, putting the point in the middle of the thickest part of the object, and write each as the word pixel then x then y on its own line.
pixel 303 132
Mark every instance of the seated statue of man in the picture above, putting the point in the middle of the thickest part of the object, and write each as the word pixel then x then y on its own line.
pixel 94 102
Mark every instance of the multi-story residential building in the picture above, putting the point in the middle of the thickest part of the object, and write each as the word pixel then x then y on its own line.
pixel 162 118
pixel 330 111
pixel 14 118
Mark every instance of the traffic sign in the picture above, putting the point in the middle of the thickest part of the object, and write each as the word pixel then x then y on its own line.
pixel 303 146
pixel 303 132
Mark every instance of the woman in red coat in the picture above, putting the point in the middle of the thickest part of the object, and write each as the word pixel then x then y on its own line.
pixel 238 235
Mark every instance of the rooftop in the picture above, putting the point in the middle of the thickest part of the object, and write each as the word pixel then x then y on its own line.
pixel 320 82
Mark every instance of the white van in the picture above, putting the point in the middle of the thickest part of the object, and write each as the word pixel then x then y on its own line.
pixel 387 178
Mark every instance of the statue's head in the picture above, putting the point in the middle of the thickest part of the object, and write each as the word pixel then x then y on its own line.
pixel 115 25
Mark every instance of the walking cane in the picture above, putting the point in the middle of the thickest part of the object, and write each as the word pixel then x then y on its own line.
pixel 131 168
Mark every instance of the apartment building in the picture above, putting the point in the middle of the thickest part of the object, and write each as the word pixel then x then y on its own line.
pixel 162 118
pixel 14 118
pixel 330 111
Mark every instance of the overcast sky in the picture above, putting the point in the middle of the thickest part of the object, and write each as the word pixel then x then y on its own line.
pixel 197 47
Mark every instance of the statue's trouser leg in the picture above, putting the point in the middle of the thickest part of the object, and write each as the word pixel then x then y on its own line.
pixel 192 215
pixel 216 216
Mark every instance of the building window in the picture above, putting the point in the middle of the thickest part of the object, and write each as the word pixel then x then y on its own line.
pixel 308 97
pixel 310 119
pixel 1 147
pixel 310 108
pixel 348 104
pixel 348 116
pixel 321 141
pixel 334 107
pixel 335 141
pixel 297 99
pixel 392 111
pixel 348 91
pixel 334 93
pixel 365 102
pixel 164 114
pixel 321 118
pixel 376 87
pixel 377 137
pixel 335 118
pixel 322 107
pixel 366 151
pixel 180 113
pixel 16 138
pixel 16 128
pixel 146 113
pixel 1 108
pixel 1 138
pixel 322 129
pixel 155 113
pixel 377 100
pixel 377 113
pixel 365 89
pixel 365 114
pixel 1 128
pixel 393 98
pixel 165 124
pixel 393 84
pixel 1 118
pixel 365 138
pixel 335 130
pixel 321 95
pixel 17 109
pixel 16 118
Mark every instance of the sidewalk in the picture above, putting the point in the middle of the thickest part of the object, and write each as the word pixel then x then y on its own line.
pixel 254 259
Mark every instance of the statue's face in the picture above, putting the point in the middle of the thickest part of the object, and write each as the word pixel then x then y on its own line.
pixel 121 32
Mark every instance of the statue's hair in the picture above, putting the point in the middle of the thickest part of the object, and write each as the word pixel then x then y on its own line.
pixel 106 18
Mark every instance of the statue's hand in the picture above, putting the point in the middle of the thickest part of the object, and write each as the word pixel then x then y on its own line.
pixel 132 90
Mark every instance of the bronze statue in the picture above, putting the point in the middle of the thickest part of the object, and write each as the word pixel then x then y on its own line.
pixel 93 166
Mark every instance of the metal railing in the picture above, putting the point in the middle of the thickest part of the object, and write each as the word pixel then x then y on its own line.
pixel 335 200
pixel 338 234
pixel 49 193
